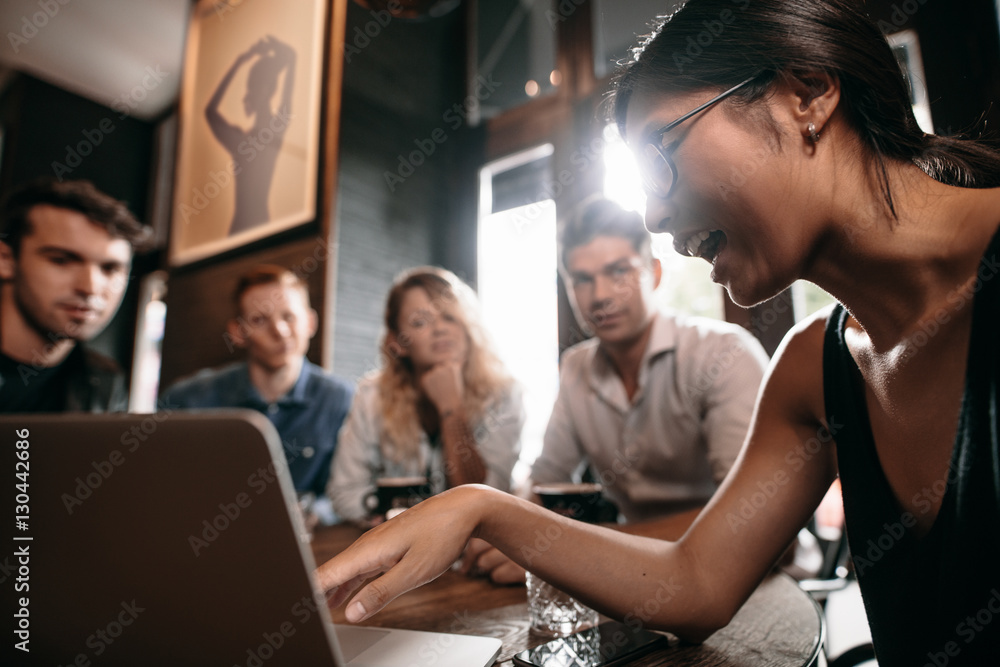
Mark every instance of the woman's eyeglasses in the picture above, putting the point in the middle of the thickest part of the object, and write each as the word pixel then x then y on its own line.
pixel 658 171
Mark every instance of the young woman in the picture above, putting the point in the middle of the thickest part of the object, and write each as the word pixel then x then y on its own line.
pixel 442 406
pixel 787 149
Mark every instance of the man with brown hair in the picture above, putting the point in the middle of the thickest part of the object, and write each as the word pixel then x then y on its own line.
pixel 65 254
pixel 274 324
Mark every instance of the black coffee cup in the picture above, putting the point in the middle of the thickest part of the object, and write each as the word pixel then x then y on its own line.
pixel 577 501
pixel 397 493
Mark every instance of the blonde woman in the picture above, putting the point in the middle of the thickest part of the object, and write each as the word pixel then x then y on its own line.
pixel 441 407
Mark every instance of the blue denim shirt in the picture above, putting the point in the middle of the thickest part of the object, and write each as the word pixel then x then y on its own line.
pixel 307 418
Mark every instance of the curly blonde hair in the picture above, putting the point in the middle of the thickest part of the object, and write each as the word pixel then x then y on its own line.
pixel 483 373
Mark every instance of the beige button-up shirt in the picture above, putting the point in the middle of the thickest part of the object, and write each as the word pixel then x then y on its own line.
pixel 667 449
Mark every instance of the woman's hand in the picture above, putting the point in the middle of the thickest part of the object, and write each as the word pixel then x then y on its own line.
pixel 444 386
pixel 408 551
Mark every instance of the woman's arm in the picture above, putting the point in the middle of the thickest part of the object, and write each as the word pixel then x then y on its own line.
pixel 286 55
pixel 444 386
pixel 691 587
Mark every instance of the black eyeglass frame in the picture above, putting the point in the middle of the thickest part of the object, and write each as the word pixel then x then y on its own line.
pixel 656 142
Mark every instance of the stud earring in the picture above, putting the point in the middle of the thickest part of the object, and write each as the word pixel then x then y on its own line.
pixel 813 134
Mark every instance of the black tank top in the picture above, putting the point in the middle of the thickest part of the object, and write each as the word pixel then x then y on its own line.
pixel 931 601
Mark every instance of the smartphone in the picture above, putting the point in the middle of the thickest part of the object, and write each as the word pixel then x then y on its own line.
pixel 608 644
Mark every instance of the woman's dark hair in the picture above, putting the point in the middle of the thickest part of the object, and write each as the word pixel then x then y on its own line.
pixel 719 43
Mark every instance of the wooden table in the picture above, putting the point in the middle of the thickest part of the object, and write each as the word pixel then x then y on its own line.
pixel 779 626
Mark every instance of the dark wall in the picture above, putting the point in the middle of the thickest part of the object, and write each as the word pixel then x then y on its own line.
pixel 407 174
pixel 48 131
pixel 960 46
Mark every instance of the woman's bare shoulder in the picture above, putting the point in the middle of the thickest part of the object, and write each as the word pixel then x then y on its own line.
pixel 795 377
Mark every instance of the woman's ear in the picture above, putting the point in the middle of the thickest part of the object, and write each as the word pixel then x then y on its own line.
pixel 395 348
pixel 815 96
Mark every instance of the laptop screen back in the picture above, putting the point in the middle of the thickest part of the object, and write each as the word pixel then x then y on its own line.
pixel 158 539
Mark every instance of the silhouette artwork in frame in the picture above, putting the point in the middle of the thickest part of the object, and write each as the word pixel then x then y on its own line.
pixel 248 152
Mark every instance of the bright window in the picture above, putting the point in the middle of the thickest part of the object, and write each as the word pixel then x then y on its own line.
pixel 517 286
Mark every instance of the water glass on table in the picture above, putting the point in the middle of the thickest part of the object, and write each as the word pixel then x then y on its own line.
pixel 554 613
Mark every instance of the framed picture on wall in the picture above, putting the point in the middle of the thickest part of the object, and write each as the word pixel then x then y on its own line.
pixel 248 150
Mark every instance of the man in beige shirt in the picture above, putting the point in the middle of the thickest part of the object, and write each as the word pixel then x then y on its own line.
pixel 656 405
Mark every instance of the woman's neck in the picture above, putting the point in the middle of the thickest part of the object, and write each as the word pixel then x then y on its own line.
pixel 892 272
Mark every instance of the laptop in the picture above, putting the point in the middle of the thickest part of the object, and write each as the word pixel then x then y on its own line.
pixel 174 539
